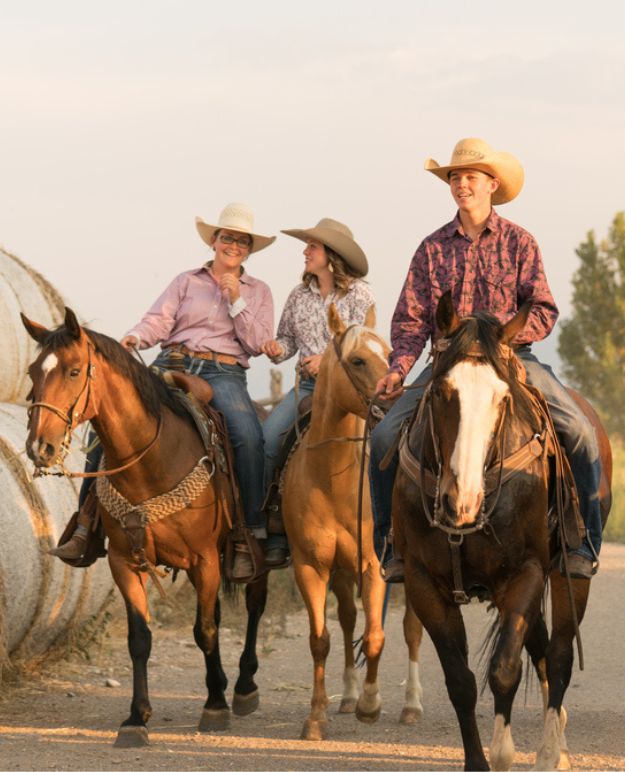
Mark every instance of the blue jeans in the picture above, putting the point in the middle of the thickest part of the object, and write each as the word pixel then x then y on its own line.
pixel 231 398
pixel 280 420
pixel 573 428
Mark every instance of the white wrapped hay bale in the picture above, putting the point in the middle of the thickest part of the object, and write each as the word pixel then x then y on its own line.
pixel 41 598
pixel 22 289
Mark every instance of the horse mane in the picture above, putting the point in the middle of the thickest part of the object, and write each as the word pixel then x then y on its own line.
pixel 484 329
pixel 153 392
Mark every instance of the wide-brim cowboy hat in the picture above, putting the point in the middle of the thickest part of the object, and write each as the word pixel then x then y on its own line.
pixel 234 217
pixel 473 153
pixel 332 233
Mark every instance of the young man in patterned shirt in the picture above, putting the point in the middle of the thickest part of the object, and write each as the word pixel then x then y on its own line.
pixel 489 264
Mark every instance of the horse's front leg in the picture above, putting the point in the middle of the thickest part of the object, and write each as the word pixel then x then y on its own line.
pixel 519 608
pixel 443 621
pixel 373 589
pixel 313 587
pixel 205 577
pixel 413 633
pixel 246 697
pixel 133 732
pixel 553 752
pixel 343 587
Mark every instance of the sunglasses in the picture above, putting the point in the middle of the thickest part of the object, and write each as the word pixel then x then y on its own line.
pixel 242 241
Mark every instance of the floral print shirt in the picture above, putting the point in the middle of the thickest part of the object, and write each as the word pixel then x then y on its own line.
pixel 304 322
pixel 496 273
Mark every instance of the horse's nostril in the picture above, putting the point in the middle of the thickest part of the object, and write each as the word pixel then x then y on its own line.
pixel 45 451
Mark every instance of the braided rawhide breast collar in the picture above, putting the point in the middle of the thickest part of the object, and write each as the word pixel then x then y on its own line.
pixel 157 507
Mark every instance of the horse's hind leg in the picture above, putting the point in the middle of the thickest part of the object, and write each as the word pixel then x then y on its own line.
pixel 519 608
pixel 246 699
pixel 413 633
pixel 313 587
pixel 205 577
pixel 343 587
pixel 553 752
pixel 133 732
pixel 369 703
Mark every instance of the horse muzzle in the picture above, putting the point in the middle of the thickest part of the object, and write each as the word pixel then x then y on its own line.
pixel 460 507
pixel 42 452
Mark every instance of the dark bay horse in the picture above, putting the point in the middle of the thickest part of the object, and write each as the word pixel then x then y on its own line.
pixel 470 522
pixel 320 506
pixel 83 375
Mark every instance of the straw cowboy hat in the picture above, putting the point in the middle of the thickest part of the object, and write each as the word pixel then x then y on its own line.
pixel 333 234
pixel 474 153
pixel 234 217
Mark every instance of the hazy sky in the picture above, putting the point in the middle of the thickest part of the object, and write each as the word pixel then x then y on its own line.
pixel 121 121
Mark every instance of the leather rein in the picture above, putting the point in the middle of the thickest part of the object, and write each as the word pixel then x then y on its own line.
pixel 72 419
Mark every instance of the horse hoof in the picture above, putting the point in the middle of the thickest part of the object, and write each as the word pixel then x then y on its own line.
pixel 368 717
pixel 348 705
pixel 132 737
pixel 410 716
pixel 244 704
pixel 214 720
pixel 314 730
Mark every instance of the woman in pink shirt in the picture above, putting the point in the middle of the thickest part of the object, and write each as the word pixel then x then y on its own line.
pixel 214 318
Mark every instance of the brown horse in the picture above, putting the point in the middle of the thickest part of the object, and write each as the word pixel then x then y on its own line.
pixel 470 511
pixel 83 375
pixel 320 502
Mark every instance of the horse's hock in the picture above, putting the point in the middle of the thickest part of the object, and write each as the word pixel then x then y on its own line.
pixel 22 289
pixel 41 598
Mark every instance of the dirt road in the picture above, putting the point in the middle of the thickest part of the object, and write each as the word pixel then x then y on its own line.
pixel 67 717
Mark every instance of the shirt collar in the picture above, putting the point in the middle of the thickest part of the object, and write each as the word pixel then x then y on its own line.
pixel 455 226
pixel 244 278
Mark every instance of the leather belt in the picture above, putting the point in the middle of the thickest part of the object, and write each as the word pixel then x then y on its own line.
pixel 211 356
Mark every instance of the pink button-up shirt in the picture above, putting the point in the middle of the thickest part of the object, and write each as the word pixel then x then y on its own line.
pixel 194 312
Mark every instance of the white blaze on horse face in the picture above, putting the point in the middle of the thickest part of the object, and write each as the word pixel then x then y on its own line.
pixel 354 337
pixel 480 392
pixel 377 348
pixel 48 364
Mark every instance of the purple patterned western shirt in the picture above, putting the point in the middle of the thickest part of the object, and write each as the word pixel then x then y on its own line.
pixel 496 273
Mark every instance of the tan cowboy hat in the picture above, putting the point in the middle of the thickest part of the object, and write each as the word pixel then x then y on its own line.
pixel 234 217
pixel 333 234
pixel 474 153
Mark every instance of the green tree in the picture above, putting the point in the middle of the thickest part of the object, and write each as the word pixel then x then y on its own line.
pixel 592 342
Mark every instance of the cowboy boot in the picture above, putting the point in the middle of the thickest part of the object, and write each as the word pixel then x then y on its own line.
pixel 242 567
pixel 74 548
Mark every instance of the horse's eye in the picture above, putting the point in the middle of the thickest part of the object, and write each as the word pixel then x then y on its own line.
pixel 74 372
pixel 357 362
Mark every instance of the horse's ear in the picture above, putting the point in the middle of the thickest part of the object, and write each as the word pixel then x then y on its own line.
pixel 447 319
pixel 36 331
pixel 370 317
pixel 513 327
pixel 71 323
pixel 335 322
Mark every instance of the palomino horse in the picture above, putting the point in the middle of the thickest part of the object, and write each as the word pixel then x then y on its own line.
pixel 465 531
pixel 320 502
pixel 83 375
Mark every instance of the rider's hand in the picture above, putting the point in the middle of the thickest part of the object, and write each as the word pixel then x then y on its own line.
pixel 129 342
pixel 390 387
pixel 311 364
pixel 272 348
pixel 230 286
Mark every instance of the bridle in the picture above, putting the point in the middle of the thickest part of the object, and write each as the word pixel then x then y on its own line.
pixel 374 412
pixel 498 468
pixel 72 418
